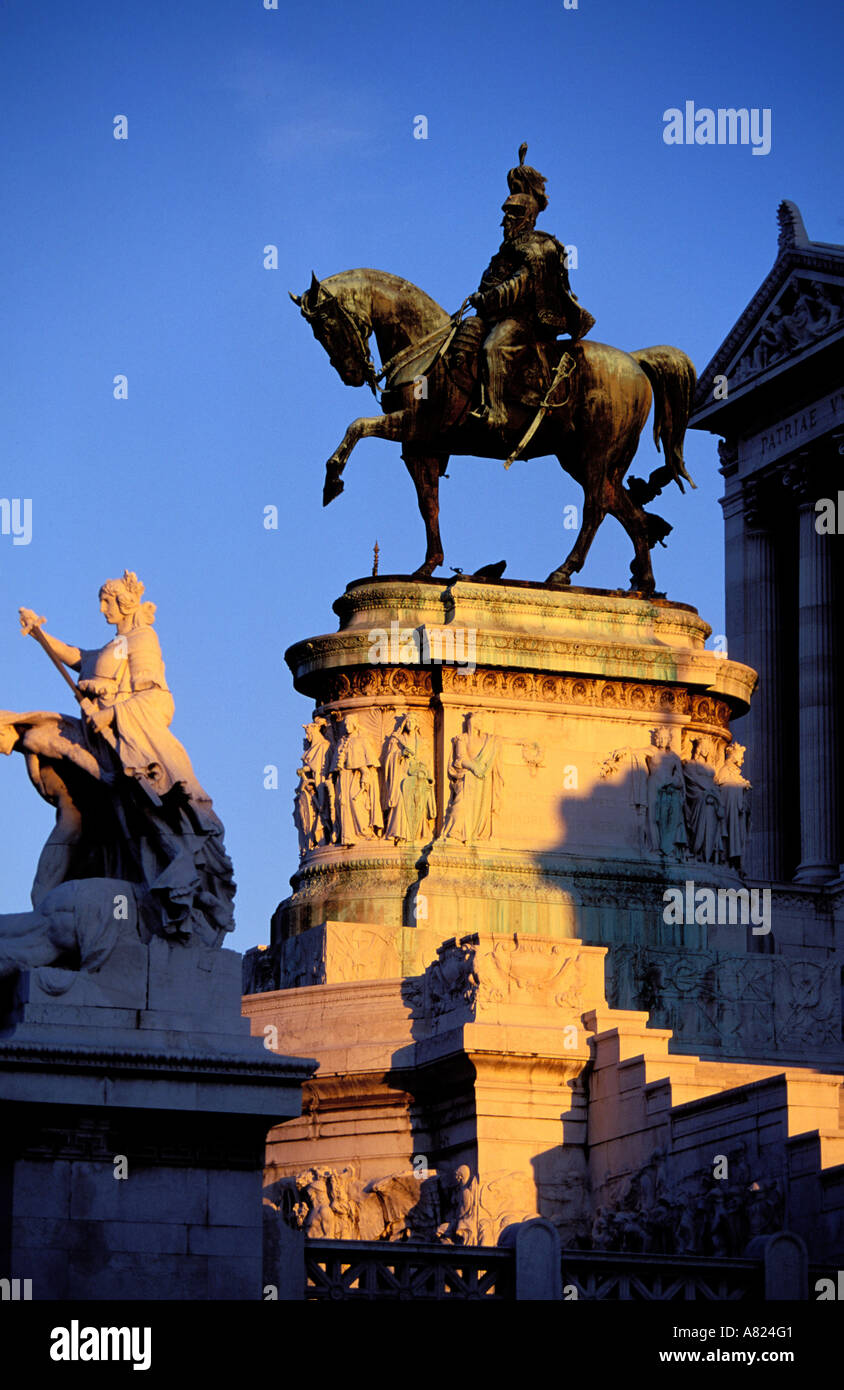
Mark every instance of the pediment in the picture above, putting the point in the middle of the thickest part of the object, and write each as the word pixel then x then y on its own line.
pixel 798 310
pixel 805 311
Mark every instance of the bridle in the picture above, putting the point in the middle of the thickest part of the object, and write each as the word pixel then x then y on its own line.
pixel 331 306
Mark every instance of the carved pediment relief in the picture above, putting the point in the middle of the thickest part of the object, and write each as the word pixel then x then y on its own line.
pixel 807 311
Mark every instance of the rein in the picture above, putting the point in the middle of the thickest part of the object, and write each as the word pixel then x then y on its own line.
pixel 336 307
pixel 412 348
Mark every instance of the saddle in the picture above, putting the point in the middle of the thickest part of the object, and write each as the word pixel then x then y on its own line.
pixel 532 368
pixel 531 372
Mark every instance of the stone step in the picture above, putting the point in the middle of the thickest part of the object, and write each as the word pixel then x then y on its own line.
pixel 816 1151
pixel 832 1150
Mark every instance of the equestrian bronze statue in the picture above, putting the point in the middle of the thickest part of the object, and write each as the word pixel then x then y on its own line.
pixel 500 384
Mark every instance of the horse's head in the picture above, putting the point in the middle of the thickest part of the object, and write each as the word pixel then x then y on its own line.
pixel 341 334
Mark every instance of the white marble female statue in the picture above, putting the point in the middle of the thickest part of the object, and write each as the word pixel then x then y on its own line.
pixel 313 808
pixel 357 794
pixel 704 807
pixel 637 762
pixel 657 794
pixel 735 796
pixel 140 814
pixel 475 776
pixel 409 801
pixel 666 797
pixel 316 760
pixel 304 816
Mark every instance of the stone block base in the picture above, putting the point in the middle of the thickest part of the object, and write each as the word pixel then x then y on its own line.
pixel 133 1117
pixel 497 1085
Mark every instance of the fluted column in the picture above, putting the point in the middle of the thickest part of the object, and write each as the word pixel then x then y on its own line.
pixel 764 651
pixel 818 718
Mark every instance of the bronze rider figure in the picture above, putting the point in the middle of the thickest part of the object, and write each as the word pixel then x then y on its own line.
pixel 524 298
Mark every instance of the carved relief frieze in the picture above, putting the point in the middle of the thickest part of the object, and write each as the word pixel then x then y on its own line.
pixel 447 1205
pixel 516 968
pixel 520 967
pixel 743 1002
pixel 660 1213
pixel 807 311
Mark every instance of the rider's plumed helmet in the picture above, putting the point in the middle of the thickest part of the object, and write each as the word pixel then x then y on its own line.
pixel 526 183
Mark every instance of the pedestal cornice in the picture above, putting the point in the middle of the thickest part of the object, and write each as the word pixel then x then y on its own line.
pixel 530 634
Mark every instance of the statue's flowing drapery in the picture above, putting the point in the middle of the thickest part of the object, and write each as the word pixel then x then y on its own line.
pixel 129 805
pixel 167 815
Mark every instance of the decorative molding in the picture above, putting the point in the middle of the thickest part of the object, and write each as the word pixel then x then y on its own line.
pixel 211 1065
pixel 440 596
pixel 375 682
pixel 537 687
pixel 474 873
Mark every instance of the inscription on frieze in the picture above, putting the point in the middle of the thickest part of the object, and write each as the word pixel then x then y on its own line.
pixel 781 437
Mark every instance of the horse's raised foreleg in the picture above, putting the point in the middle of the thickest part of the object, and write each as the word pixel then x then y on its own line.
pixel 426 470
pixel 594 512
pixel 397 425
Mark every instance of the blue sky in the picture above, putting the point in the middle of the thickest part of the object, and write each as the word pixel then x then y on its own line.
pixel 295 127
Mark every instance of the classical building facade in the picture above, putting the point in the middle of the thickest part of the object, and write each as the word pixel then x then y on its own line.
pixel 774 391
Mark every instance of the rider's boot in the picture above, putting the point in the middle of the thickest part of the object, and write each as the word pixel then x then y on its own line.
pixel 497 417
pixel 494 412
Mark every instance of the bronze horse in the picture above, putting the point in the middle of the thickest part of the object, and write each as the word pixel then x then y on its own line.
pixel 594 436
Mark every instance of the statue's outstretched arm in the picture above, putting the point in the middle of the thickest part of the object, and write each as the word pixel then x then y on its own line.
pixel 71 656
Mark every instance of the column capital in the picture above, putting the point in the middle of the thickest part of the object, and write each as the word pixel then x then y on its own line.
pixel 756 496
pixel 728 454
pixel 813 472
pixel 798 476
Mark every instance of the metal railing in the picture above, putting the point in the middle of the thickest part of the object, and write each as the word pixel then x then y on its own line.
pixel 343 1269
pixel 346 1269
pixel 606 1274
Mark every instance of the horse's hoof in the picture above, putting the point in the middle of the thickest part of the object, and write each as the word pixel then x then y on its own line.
pixel 558 579
pixel 425 571
pixel 333 485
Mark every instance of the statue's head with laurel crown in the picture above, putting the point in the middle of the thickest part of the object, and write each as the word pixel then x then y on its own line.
pixel 122 599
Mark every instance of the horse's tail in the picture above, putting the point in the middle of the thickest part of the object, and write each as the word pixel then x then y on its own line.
pixel 673 379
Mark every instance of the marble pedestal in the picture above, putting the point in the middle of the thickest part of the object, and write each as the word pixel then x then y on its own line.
pixel 561 680
pixel 570 687
pixel 507 1021
pixel 135 1109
